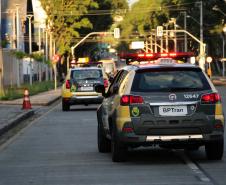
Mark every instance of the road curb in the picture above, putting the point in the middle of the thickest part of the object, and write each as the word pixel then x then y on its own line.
pixel 48 103
pixel 33 103
pixel 219 82
pixel 15 121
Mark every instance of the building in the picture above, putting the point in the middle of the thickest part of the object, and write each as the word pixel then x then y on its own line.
pixel 15 18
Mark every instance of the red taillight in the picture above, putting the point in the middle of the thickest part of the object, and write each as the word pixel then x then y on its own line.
pixel 130 99
pixel 210 98
pixel 173 54
pixel 67 84
pixel 218 126
pixel 141 55
pixel 105 83
pixel 127 129
pixel 149 55
pixel 164 54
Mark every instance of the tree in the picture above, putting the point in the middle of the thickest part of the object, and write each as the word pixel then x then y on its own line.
pixel 65 19
pixel 212 22
pixel 146 15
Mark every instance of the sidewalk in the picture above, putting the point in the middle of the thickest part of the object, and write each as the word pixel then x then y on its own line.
pixel 218 80
pixel 11 112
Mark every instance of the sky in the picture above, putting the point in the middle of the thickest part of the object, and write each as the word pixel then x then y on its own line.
pixel 39 13
pixel 132 1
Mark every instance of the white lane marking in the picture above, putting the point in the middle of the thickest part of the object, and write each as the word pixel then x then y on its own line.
pixel 13 138
pixel 200 175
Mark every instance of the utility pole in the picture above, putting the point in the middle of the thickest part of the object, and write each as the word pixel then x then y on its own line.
pixel 30 47
pixel 202 49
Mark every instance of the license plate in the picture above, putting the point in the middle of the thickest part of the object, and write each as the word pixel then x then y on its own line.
pixel 86 88
pixel 173 110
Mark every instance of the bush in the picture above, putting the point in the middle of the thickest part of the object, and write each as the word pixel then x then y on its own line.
pixel 37 87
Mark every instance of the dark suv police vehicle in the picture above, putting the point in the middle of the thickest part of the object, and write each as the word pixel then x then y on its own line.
pixel 172 105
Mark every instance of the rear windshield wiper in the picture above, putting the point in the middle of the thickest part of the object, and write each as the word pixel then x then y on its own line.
pixel 89 78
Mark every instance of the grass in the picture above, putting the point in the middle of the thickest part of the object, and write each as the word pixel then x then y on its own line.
pixel 12 93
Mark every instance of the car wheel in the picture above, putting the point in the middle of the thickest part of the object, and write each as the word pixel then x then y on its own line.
pixel 192 148
pixel 215 149
pixel 65 106
pixel 104 144
pixel 118 149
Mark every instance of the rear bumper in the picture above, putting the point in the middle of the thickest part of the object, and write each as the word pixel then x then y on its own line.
pixel 83 100
pixel 199 133
pixel 131 139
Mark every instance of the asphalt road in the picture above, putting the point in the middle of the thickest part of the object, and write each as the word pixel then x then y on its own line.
pixel 60 148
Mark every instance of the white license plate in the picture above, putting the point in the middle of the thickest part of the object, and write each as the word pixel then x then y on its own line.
pixel 173 110
pixel 86 88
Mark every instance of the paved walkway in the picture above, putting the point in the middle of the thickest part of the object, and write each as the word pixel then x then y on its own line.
pixel 218 80
pixel 11 112
pixel 42 99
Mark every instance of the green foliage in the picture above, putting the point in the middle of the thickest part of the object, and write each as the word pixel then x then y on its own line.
pixel 37 57
pixel 212 22
pixel 143 16
pixel 48 62
pixel 148 14
pixel 4 43
pixel 19 54
pixel 37 87
pixel 65 19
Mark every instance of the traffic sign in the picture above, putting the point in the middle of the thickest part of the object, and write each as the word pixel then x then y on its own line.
pixel 117 33
pixel 209 59
pixel 159 31
pixel 55 58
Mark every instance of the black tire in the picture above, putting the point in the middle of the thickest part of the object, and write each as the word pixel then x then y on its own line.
pixel 192 148
pixel 65 106
pixel 104 144
pixel 118 149
pixel 215 149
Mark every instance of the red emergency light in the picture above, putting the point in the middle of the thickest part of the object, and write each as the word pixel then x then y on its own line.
pixel 155 56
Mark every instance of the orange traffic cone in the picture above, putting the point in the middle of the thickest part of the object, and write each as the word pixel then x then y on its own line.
pixel 26 101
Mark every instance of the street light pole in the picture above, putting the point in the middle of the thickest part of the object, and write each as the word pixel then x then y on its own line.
pixel 216 8
pixel 30 46
pixel 202 49
pixel 47 55
pixel 17 27
pixel 18 42
pixel 1 58
pixel 223 50
pixel 185 35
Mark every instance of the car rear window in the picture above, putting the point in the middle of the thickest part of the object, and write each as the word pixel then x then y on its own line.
pixel 170 79
pixel 86 74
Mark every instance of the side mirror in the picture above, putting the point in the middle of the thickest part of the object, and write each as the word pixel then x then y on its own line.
pixel 111 78
pixel 100 89
pixel 115 88
pixel 62 80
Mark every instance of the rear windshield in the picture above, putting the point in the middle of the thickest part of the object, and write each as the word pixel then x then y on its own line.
pixel 86 74
pixel 170 79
